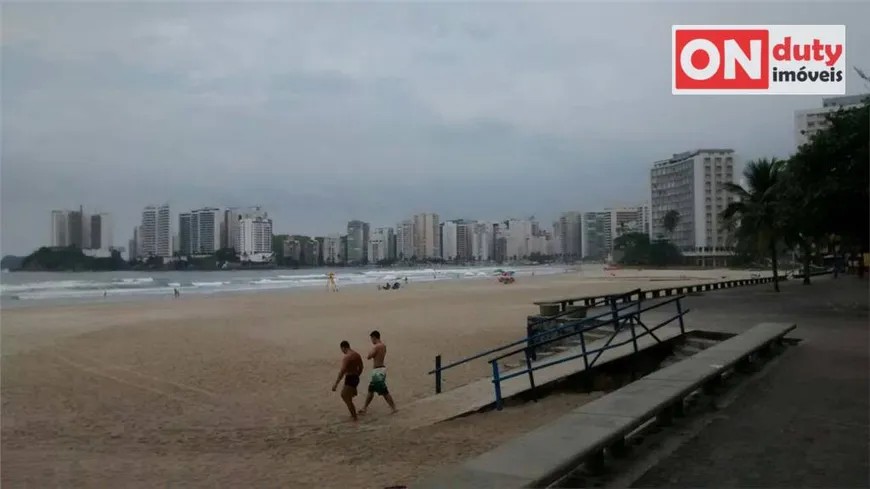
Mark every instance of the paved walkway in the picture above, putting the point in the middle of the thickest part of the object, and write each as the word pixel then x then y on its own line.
pixel 804 422
pixel 476 395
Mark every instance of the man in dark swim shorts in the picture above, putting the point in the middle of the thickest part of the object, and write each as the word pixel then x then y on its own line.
pixel 351 369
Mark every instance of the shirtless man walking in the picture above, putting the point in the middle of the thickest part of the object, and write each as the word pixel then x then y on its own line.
pixel 351 369
pixel 378 383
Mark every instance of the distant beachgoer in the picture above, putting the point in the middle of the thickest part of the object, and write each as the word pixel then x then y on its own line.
pixel 105 293
pixel 351 369
pixel 406 280
pixel 378 383
pixel 176 293
pixel 330 283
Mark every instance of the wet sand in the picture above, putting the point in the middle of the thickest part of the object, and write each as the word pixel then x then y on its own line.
pixel 234 391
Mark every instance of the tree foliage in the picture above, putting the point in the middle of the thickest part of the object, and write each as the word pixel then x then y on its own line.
pixel 758 208
pixel 71 259
pixel 670 221
pixel 816 200
pixel 637 249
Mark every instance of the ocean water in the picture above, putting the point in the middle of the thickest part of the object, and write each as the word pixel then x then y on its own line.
pixel 41 288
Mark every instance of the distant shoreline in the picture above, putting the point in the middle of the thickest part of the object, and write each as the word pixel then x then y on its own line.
pixel 73 287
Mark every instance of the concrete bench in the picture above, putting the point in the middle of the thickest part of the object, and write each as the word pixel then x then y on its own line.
pixel 542 456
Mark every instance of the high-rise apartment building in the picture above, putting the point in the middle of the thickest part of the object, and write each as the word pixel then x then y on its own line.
pixel 185 234
pixel 571 234
pixel 810 121
pixel 155 234
pixel 517 235
pixel 381 245
pixel 133 245
pixel 163 242
pixel 230 224
pixel 255 239
pixel 601 228
pixel 357 242
pixel 596 235
pixel 481 241
pixel 148 232
pixel 82 230
pixel 448 241
pixel 230 229
pixel 405 247
pixel 692 184
pixel 464 242
pixel 100 232
pixel 332 253
pixel 204 230
pixel 78 231
pixel 427 227
pixel 60 228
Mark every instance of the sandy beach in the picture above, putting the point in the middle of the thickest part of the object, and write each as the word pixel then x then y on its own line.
pixel 234 390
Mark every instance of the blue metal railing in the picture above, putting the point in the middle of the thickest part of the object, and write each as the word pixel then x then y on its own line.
pixel 632 319
pixel 529 339
pixel 596 301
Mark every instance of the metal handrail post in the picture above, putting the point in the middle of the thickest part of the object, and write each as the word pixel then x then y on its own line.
pixel 531 372
pixel 614 312
pixel 680 313
pixel 633 338
pixel 438 374
pixel 496 381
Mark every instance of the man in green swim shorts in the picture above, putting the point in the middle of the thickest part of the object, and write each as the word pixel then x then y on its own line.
pixel 378 383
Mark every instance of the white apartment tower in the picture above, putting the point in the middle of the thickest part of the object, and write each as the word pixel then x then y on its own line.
pixel 405 248
pixel 148 232
pixel 205 230
pixel 517 236
pixel 255 239
pixel 380 245
pixel 448 241
pixel 601 228
pixel 427 229
pixel 332 250
pixel 481 241
pixel 692 183
pixel 59 228
pixel 464 240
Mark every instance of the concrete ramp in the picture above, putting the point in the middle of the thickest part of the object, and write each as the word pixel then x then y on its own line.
pixel 480 394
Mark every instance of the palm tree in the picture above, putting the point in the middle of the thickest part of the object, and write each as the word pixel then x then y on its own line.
pixel 670 221
pixel 757 208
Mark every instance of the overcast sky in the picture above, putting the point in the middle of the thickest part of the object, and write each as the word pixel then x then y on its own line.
pixel 329 112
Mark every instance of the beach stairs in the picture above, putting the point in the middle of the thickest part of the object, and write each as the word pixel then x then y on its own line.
pixel 545 351
pixel 689 347
pixel 684 349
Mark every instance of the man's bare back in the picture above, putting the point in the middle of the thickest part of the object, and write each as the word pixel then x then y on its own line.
pixel 351 369
pixel 353 363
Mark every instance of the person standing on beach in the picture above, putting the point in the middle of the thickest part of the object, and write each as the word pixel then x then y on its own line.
pixel 378 383
pixel 351 369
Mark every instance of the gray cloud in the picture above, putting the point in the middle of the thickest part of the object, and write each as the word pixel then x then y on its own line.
pixel 329 112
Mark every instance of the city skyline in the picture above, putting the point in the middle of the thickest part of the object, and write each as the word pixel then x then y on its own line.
pixel 365 110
